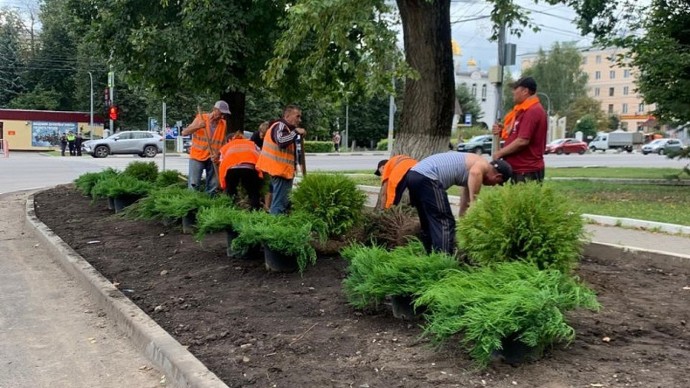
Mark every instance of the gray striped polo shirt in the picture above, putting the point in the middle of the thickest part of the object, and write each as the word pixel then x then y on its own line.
pixel 448 168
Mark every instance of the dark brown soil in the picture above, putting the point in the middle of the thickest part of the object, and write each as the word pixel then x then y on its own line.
pixel 254 328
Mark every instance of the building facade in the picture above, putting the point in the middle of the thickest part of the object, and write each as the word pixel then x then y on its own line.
pixel 613 85
pixel 38 130
pixel 477 81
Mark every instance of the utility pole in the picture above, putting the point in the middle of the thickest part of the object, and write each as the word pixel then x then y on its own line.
pixel 391 117
pixel 165 133
pixel 111 90
pixel 91 109
pixel 495 145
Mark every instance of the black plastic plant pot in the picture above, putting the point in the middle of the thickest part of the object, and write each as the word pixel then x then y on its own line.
pixel 122 201
pixel 278 262
pixel 189 222
pixel 253 253
pixel 403 307
pixel 111 203
pixel 515 352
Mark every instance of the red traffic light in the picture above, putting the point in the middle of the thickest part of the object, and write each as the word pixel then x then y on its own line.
pixel 112 112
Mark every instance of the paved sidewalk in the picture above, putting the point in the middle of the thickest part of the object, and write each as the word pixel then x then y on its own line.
pixel 52 333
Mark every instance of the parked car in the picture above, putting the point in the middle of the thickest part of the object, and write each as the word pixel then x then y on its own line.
pixel 657 146
pixel 479 145
pixel 142 143
pixel 566 146
pixel 672 146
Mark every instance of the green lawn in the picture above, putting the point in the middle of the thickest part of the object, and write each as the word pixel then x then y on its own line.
pixel 669 204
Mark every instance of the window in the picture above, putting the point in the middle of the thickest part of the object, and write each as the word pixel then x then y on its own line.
pixel 612 74
pixel 611 90
pixel 474 90
pixel 597 75
pixel 626 73
pixel 596 92
pixel 626 90
pixel 598 59
pixel 625 108
pixel 610 108
pixel 484 92
pixel 641 107
pixel 584 60
pixel 624 125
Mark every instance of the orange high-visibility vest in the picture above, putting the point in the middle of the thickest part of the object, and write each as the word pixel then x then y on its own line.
pixel 200 141
pixel 275 160
pixel 237 151
pixel 393 173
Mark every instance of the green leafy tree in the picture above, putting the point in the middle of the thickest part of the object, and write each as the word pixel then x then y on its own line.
pixel 468 103
pixel 613 122
pixel 586 106
pixel 658 48
pixel 11 62
pixel 558 75
pixel 38 98
pixel 587 124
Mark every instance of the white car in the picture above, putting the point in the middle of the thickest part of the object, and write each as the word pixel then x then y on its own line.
pixel 142 143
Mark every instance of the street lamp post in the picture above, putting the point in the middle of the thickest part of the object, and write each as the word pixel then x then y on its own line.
pixel 91 107
pixel 548 114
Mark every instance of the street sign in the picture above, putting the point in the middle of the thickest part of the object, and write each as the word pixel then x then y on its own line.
pixel 468 118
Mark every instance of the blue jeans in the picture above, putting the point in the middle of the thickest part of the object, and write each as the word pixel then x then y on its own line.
pixel 281 190
pixel 196 169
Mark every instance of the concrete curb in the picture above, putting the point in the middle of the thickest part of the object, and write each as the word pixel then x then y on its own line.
pixel 599 249
pixel 181 368
pixel 638 224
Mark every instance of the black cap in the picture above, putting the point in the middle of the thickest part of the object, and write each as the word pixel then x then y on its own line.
pixel 503 168
pixel 526 82
pixel 381 163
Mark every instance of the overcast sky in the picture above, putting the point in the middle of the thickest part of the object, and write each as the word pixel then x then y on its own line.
pixel 473 35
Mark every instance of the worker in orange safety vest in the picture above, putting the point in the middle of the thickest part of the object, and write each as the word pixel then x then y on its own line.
pixel 208 133
pixel 392 172
pixel 278 156
pixel 238 167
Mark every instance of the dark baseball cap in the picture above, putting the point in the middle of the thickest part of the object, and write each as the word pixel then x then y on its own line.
pixel 381 163
pixel 503 168
pixel 526 82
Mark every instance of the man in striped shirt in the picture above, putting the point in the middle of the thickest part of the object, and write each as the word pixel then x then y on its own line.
pixel 428 181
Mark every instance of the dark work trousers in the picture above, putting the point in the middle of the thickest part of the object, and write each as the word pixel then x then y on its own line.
pixel 249 179
pixel 435 215
pixel 72 151
pixel 527 177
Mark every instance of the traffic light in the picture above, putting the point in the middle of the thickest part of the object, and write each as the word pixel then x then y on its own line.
pixel 112 112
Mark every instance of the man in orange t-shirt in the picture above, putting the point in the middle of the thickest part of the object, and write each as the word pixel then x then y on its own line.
pixel 524 131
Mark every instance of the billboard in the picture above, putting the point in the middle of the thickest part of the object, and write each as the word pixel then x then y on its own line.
pixel 47 133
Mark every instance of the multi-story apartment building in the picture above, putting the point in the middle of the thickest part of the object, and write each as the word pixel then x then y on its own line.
pixel 612 85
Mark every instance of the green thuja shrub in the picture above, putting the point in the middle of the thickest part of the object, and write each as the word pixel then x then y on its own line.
pixel 170 178
pixel 333 198
pixel 374 272
pixel 509 300
pixel 176 202
pixel 86 182
pixel 290 235
pixel 125 185
pixel 219 218
pixel 144 171
pixel 527 222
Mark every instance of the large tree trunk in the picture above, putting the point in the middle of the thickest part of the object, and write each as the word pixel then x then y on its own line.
pixel 236 101
pixel 428 103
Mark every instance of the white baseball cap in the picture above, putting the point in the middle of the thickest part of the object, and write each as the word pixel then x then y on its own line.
pixel 222 106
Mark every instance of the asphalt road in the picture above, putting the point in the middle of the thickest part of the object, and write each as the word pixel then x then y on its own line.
pixel 26 170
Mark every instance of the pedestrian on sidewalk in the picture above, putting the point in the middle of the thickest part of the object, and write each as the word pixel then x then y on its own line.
pixel 63 144
pixel 336 141
pixel 428 181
